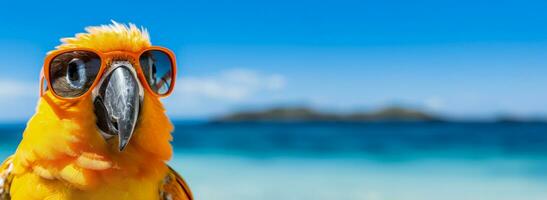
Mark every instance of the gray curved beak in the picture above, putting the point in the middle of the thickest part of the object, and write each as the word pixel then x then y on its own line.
pixel 117 105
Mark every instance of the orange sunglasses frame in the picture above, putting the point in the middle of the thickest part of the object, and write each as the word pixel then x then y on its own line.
pixel 105 56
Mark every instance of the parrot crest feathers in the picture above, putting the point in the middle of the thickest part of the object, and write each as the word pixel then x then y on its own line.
pixel 112 37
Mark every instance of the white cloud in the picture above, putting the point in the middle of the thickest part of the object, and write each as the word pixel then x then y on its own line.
pixel 434 103
pixel 203 96
pixel 234 85
pixel 14 89
pixel 17 99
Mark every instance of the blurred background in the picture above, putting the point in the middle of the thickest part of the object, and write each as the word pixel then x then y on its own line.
pixel 357 100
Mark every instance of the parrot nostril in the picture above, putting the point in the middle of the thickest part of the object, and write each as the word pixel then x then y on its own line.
pixel 115 124
pixel 102 117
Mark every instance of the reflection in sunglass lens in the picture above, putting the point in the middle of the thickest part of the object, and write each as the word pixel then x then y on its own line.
pixel 158 70
pixel 72 73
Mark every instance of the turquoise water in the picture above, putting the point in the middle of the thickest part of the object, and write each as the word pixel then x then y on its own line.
pixel 372 161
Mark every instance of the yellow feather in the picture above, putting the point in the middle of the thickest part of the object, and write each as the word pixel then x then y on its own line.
pixel 43 172
pixel 93 161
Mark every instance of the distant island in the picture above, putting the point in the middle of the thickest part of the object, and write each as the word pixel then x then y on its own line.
pixel 289 114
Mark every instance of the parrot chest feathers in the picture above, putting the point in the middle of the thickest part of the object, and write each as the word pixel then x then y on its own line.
pixel 170 187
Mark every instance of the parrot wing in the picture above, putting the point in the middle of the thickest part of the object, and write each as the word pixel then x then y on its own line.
pixel 5 178
pixel 175 188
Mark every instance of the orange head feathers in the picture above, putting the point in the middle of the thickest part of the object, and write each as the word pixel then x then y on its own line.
pixel 70 140
pixel 113 37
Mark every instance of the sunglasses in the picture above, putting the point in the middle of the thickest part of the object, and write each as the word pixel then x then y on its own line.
pixel 73 73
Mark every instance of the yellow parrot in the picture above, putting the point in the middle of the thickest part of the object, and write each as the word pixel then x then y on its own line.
pixel 100 130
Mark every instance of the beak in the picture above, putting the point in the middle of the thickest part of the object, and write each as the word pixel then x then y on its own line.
pixel 117 103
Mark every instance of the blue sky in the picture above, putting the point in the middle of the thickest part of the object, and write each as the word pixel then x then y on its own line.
pixel 460 58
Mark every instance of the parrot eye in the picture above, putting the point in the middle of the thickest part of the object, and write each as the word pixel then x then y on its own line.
pixel 76 73
pixel 72 73
pixel 157 68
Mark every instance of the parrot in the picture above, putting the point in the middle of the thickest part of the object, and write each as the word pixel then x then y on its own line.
pixel 113 142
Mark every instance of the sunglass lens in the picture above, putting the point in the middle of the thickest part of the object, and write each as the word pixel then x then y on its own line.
pixel 72 73
pixel 157 67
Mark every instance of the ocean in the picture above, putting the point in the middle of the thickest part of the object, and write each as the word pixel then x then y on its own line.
pixel 355 161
